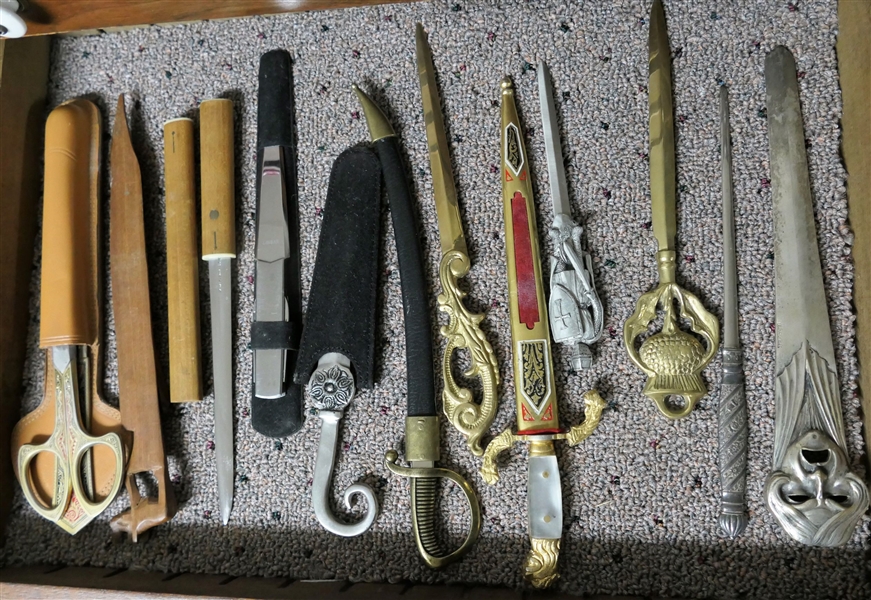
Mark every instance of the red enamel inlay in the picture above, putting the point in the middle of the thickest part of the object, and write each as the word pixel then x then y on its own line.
pixel 527 300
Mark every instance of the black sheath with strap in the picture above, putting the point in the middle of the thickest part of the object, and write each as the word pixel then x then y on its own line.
pixel 276 405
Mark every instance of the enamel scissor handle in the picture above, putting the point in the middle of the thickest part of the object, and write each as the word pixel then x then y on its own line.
pixel 69 443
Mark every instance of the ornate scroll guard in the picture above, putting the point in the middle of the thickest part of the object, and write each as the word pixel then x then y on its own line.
pixel 462 331
pixel 672 359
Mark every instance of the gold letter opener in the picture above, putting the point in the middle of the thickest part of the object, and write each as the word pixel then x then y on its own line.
pixel 537 415
pixel 672 359
pixel 462 330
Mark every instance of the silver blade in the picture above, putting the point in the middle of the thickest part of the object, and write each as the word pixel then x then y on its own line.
pixel 801 313
pixel 222 368
pixel 730 271
pixel 273 248
pixel 544 498
pixel 555 170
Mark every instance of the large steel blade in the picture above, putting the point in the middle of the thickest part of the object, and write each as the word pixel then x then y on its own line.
pixel 662 169
pixel 450 226
pixel 801 313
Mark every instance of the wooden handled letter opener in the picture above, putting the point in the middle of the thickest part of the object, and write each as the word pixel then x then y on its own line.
pixel 219 248
pixel 462 331
pixel 672 359
pixel 534 389
pixel 72 425
pixel 137 368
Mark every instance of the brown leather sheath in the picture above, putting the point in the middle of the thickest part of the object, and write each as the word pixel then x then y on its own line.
pixel 137 366
pixel 70 285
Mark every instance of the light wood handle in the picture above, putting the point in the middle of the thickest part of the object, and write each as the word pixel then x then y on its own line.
pixel 217 179
pixel 182 262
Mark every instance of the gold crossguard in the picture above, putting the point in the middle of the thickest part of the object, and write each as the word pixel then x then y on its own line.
pixel 672 359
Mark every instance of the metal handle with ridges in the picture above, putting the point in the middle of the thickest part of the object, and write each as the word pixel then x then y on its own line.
pixel 462 331
pixel 732 457
pixel 424 489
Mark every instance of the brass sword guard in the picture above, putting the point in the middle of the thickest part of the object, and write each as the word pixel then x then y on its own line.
pixel 672 359
pixel 462 331
pixel 422 451
pixel 543 557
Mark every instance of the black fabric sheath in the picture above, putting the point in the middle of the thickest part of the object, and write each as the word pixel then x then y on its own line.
pixel 280 417
pixel 415 302
pixel 342 303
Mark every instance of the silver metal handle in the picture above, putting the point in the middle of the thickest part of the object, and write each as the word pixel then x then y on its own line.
pixel 326 461
pixel 732 459
pixel 331 389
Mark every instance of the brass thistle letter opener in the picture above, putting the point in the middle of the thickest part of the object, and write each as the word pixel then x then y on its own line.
pixel 732 458
pixel 537 414
pixel 422 422
pixel 811 491
pixel 576 316
pixel 672 359
pixel 462 330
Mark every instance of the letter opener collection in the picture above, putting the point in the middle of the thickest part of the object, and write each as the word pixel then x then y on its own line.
pixel 72 454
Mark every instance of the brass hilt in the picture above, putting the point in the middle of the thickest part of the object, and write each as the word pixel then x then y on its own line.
pixel 593 407
pixel 422 448
pixel 462 331
pixel 672 359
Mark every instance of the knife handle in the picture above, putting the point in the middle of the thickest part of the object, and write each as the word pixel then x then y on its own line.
pixel 732 454
pixel 69 289
pixel 217 179
pixel 182 266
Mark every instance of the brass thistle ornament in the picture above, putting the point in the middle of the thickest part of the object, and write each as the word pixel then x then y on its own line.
pixel 672 359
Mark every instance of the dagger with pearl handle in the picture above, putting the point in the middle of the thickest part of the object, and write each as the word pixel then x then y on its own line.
pixel 672 359
pixel 537 415
pixel 732 414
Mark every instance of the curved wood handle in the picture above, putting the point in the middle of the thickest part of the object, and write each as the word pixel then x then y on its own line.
pixel 182 264
pixel 217 179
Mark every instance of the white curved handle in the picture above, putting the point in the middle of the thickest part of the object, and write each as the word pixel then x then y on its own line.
pixel 11 25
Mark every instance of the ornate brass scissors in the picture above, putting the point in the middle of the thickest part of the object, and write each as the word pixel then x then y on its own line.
pixel 70 444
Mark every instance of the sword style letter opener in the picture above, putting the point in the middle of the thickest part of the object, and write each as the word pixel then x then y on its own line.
pixel 672 359
pixel 219 248
pixel 276 406
pixel 576 315
pixel 537 414
pixel 732 456
pixel 422 422
pixel 462 331
pixel 137 364
pixel 811 491
pixel 340 323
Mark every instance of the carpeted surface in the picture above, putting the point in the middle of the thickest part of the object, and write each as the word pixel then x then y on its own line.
pixel 640 495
